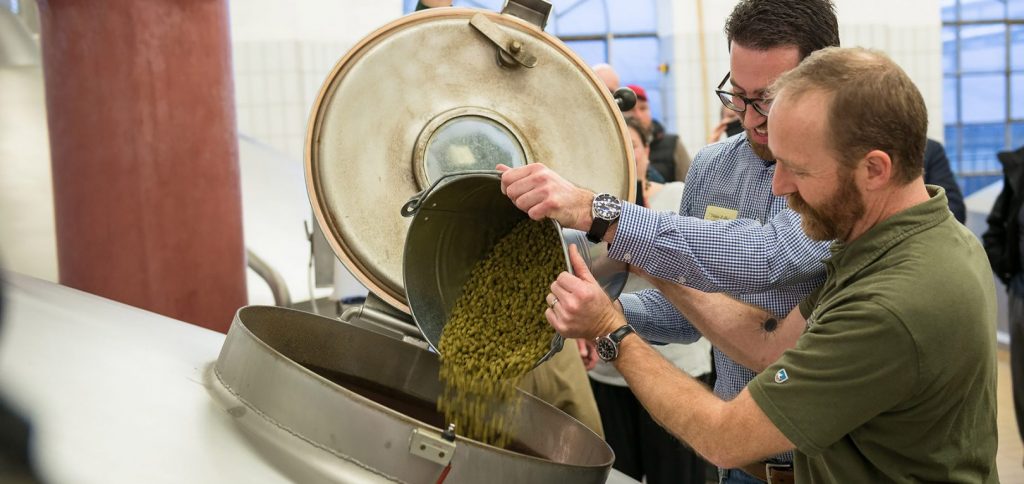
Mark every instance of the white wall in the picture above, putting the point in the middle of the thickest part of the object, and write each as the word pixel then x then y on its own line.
pixel 283 51
pixel 907 30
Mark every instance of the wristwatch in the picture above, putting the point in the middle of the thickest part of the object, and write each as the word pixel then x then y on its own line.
pixel 605 209
pixel 608 346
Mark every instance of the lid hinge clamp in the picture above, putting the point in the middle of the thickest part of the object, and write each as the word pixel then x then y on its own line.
pixel 510 50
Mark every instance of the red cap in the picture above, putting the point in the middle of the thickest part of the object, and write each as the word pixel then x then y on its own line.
pixel 640 93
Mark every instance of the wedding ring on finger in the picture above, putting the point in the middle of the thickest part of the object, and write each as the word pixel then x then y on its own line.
pixel 554 300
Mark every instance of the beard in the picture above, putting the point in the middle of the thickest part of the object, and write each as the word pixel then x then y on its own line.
pixel 835 219
pixel 761 150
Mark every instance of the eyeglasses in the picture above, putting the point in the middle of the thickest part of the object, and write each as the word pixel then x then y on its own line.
pixel 739 103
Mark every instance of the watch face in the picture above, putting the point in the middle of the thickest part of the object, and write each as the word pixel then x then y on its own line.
pixel 607 349
pixel 606 206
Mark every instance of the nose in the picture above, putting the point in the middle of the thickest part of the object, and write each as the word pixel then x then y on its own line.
pixel 752 118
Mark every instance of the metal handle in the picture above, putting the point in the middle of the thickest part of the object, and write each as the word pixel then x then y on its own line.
pixel 510 51
pixel 413 205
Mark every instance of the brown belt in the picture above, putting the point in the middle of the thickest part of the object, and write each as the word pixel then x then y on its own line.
pixel 771 473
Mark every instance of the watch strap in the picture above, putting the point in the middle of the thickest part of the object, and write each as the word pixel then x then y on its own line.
pixel 621 333
pixel 597 230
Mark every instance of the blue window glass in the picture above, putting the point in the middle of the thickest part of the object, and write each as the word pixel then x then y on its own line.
pixel 1017 96
pixel 1017 45
pixel 981 142
pixel 949 50
pixel 972 183
pixel 983 98
pixel 952 145
pixel 950 95
pixel 636 59
pixel 1015 9
pixel 654 101
pixel 492 5
pixel 578 17
pixel 948 10
pixel 592 51
pixel 983 48
pixel 629 16
pixel 1016 135
pixel 982 10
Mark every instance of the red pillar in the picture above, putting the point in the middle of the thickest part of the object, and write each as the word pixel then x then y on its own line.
pixel 144 149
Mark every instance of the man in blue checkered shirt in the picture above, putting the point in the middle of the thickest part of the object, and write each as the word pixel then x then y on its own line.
pixel 733 235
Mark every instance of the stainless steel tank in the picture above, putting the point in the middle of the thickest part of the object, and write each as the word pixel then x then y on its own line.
pixel 369 401
pixel 438 92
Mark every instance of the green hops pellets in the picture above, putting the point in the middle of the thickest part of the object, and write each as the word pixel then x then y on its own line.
pixel 497 331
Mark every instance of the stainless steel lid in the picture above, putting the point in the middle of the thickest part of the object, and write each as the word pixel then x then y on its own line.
pixel 441 91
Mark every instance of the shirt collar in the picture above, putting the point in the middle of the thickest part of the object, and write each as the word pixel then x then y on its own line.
pixel 850 258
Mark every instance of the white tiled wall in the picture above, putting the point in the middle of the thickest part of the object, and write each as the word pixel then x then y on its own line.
pixel 282 52
pixel 907 30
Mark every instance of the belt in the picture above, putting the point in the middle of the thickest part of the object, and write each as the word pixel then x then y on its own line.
pixel 770 472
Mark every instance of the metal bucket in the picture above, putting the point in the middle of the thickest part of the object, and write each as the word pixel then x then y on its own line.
pixel 456 223
pixel 327 401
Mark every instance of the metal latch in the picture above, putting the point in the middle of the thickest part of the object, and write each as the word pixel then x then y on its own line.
pixel 431 446
pixel 534 11
pixel 510 50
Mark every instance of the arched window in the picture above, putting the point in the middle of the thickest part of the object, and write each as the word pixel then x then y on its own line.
pixel 622 33
pixel 983 85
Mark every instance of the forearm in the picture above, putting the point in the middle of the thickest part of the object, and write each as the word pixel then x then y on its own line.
pixel 737 256
pixel 656 319
pixel 728 434
pixel 751 336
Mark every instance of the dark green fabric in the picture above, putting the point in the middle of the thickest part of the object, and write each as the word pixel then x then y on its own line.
pixel 895 378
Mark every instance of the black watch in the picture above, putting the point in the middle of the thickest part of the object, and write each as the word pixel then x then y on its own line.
pixel 606 209
pixel 608 346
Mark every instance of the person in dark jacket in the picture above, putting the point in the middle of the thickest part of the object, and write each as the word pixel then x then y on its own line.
pixel 1005 247
pixel 668 155
pixel 938 172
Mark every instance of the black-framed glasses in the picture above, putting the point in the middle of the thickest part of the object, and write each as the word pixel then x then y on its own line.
pixel 738 102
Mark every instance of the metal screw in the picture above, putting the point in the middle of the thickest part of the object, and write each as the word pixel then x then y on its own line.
pixel 515 47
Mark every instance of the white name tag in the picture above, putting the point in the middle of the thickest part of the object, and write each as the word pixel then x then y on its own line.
pixel 719 213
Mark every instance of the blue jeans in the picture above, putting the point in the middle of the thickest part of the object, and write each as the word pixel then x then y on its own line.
pixel 736 476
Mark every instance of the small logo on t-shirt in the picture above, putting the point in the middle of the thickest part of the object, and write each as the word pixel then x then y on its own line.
pixel 781 376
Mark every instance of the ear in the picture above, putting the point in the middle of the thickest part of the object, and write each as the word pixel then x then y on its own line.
pixel 877 168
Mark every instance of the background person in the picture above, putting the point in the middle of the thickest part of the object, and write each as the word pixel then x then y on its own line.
pixel 668 155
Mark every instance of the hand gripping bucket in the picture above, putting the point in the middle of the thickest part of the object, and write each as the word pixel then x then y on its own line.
pixel 456 222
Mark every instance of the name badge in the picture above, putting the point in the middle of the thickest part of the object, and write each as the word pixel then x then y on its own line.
pixel 719 213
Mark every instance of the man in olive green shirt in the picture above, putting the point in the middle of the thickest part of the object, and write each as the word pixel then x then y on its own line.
pixel 884 374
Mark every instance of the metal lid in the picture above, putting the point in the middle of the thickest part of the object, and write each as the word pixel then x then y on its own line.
pixel 441 91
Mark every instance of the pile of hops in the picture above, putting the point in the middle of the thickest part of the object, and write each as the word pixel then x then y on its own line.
pixel 497 331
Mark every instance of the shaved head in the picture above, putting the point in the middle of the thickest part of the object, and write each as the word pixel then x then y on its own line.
pixel 607 75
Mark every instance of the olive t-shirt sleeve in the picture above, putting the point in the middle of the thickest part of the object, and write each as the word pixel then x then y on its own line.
pixel 808 303
pixel 855 362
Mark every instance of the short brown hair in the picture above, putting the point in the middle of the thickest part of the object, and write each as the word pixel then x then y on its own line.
pixel 810 25
pixel 873 105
